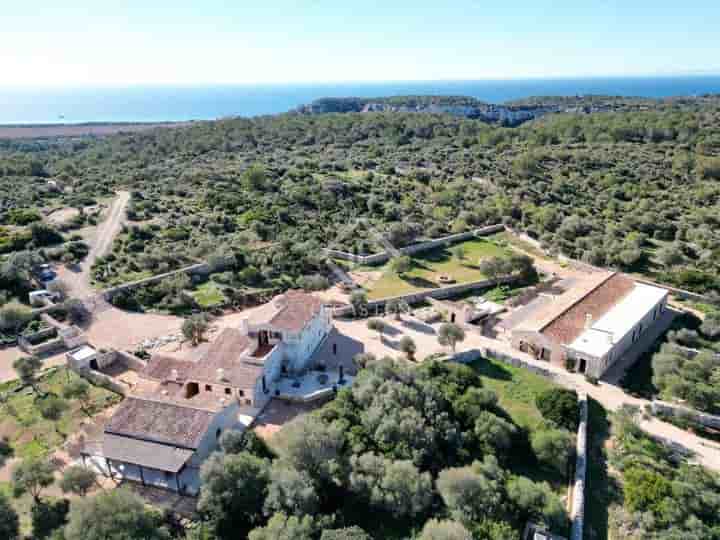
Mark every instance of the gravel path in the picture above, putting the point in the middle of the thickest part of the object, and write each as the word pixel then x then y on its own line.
pixel 78 279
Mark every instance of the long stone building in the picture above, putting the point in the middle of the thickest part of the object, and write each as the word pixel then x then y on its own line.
pixel 591 325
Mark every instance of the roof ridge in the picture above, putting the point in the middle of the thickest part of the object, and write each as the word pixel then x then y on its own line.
pixel 576 302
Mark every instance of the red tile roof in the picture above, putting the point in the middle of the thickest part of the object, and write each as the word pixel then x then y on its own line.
pixel 297 309
pixel 160 422
pixel 226 354
pixel 571 323
pixel 160 368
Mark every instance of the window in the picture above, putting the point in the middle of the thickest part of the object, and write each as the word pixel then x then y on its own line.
pixel 228 391
pixel 218 433
pixel 208 388
pixel 248 402
pixel 241 393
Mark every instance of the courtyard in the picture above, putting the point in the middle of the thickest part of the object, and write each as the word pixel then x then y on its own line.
pixel 428 266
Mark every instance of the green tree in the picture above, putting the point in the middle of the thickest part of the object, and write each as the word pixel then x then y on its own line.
pixel 31 476
pixel 78 480
pixel 9 521
pixel 459 252
pixel 308 444
pixel 407 345
pixel 493 434
pixel 78 389
pixel 435 529
pixel 233 489
pixel 194 328
pixel 401 265
pixel 48 516
pixel 348 533
pixel 359 303
pixel 113 515
pixel 559 405
pixel 377 325
pixel 396 487
pixel 52 408
pixel 396 307
pixel 14 317
pixel 554 447
pixel 27 369
pixel 645 489
pixel 449 334
pixel 291 492
pixel 282 527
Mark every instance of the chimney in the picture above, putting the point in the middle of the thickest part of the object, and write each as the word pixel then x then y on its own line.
pixel 244 326
pixel 174 375
pixel 611 341
pixel 220 374
pixel 588 321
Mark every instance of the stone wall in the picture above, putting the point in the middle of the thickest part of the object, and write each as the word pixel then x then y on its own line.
pixel 673 409
pixel 199 268
pixel 375 307
pixel 577 512
pixel 41 342
pixel 378 258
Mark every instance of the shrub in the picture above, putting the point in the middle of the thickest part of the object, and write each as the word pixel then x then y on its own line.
pixel 560 406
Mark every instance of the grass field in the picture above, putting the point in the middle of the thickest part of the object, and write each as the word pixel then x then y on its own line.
pixel 429 265
pixel 516 389
pixel 28 432
pixel 209 295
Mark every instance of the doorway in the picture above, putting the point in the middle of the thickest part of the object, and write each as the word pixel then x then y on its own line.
pixel 263 338
pixel 583 365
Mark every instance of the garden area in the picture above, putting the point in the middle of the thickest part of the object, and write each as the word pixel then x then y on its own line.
pixel 36 418
pixel 460 263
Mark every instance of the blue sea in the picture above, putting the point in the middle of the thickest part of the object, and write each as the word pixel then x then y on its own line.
pixel 166 103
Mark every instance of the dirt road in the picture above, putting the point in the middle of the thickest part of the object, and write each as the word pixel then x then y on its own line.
pixel 78 279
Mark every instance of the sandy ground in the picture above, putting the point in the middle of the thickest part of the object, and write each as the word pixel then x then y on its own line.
pixel 9 354
pixel 78 279
pixel 113 328
pixel 279 413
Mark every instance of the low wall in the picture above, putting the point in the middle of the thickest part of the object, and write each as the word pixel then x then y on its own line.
pixel 577 512
pixel 376 306
pixel 519 363
pixel 672 409
pixel 199 268
pixel 130 360
pixel 55 343
pixel 98 379
pixel 377 258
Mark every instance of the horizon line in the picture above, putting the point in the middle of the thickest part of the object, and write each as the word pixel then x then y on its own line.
pixel 118 85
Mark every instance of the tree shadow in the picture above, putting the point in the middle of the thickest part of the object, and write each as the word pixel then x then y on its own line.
pixel 421 282
pixel 418 326
pixel 492 370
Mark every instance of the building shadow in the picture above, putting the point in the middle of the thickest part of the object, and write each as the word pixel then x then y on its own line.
pixel 337 350
pixel 418 326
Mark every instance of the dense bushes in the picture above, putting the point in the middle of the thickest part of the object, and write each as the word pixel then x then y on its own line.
pixel 560 405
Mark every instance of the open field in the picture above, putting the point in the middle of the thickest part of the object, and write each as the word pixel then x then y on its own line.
pixel 428 266
pixel 516 389
pixel 77 130
pixel 30 434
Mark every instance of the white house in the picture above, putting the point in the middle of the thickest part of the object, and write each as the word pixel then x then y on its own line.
pixel 179 408
pixel 592 325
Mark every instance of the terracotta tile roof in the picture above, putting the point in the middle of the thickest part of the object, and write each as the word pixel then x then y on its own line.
pixel 160 368
pixel 226 353
pixel 160 422
pixel 296 310
pixel 571 322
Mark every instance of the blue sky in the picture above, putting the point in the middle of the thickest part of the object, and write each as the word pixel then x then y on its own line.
pixel 83 42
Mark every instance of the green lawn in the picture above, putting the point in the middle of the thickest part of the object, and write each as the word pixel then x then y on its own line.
pixel 20 420
pixel 209 295
pixel 429 265
pixel 516 389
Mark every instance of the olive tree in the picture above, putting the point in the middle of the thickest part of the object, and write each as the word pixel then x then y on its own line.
pixel 78 480
pixel 31 476
pixel 113 515
pixel 449 334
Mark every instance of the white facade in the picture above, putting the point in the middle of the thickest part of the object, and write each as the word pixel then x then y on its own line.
pixel 604 341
